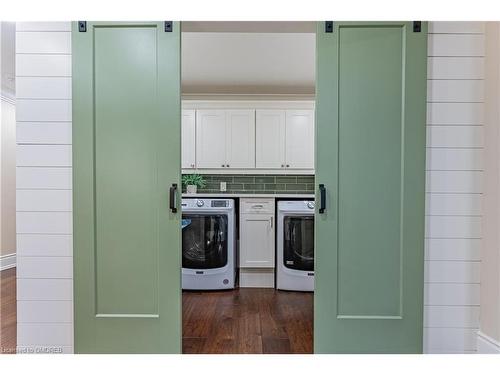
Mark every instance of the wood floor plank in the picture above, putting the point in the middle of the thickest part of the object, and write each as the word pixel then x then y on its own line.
pixel 248 320
pixel 8 312
pixel 271 345
pixel 193 345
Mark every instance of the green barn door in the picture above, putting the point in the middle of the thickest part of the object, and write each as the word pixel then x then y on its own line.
pixel 370 142
pixel 126 156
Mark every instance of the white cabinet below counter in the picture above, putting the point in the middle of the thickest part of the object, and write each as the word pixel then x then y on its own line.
pixel 257 239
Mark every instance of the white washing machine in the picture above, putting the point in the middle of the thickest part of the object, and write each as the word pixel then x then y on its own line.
pixel 208 244
pixel 295 250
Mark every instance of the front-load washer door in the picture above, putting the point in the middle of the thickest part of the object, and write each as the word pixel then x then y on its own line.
pixel 204 241
pixel 298 244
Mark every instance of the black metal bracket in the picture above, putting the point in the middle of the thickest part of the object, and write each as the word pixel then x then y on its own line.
pixel 328 26
pixel 82 26
pixel 322 198
pixel 173 198
pixel 169 25
pixel 417 26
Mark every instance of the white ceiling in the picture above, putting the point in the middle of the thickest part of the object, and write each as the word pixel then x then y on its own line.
pixel 248 63
pixel 8 57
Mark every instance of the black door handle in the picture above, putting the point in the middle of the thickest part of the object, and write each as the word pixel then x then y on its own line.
pixel 173 196
pixel 322 198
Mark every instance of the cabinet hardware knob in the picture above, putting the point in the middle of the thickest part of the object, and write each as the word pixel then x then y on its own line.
pixel 227 165
pixel 282 165
pixel 288 165
pixel 223 165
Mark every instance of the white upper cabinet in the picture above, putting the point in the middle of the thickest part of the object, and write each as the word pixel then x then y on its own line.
pixel 299 139
pixel 240 138
pixel 188 139
pixel 211 138
pixel 270 139
pixel 285 139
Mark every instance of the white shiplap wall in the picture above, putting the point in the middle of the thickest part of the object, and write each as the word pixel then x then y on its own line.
pixel 453 204
pixel 44 198
pixel 454 186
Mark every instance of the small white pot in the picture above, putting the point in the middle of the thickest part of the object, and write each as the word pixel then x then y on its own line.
pixel 191 189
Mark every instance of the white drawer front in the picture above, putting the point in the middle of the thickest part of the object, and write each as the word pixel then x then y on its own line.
pixel 257 206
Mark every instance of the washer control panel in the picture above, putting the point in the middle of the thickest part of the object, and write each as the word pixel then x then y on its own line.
pixel 221 203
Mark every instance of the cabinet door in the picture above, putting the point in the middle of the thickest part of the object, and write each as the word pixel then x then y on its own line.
pixel 240 147
pixel 299 139
pixel 188 139
pixel 211 138
pixel 270 139
pixel 257 241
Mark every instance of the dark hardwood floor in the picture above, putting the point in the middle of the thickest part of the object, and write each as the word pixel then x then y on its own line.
pixel 247 320
pixel 8 317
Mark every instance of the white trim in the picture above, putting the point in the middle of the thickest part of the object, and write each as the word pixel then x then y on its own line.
pixel 6 97
pixel 252 171
pixel 237 103
pixel 487 344
pixel 256 277
pixel 7 261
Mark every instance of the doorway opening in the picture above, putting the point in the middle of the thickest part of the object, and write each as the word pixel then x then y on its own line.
pixel 248 97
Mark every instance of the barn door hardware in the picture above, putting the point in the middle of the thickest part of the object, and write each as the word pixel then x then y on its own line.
pixel 328 26
pixel 173 198
pixel 82 26
pixel 322 198
pixel 417 26
pixel 169 25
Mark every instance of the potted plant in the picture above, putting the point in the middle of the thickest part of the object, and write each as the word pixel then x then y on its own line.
pixel 192 182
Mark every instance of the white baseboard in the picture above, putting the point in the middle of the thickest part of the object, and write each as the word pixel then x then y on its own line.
pixel 256 277
pixel 7 261
pixel 487 344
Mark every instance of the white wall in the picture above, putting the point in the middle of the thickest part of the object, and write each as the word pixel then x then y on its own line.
pixel 248 63
pixel 7 148
pixel 44 217
pixel 489 335
pixel 454 186
pixel 8 184
pixel 453 205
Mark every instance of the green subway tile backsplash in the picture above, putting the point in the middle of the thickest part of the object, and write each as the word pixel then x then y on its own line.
pixel 259 184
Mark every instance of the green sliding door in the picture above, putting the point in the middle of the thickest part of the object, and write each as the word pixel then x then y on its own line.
pixel 126 158
pixel 370 142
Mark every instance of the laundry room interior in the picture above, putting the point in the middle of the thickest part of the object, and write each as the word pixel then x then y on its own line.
pixel 248 204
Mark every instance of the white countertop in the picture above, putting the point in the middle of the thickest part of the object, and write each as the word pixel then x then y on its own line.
pixel 243 195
